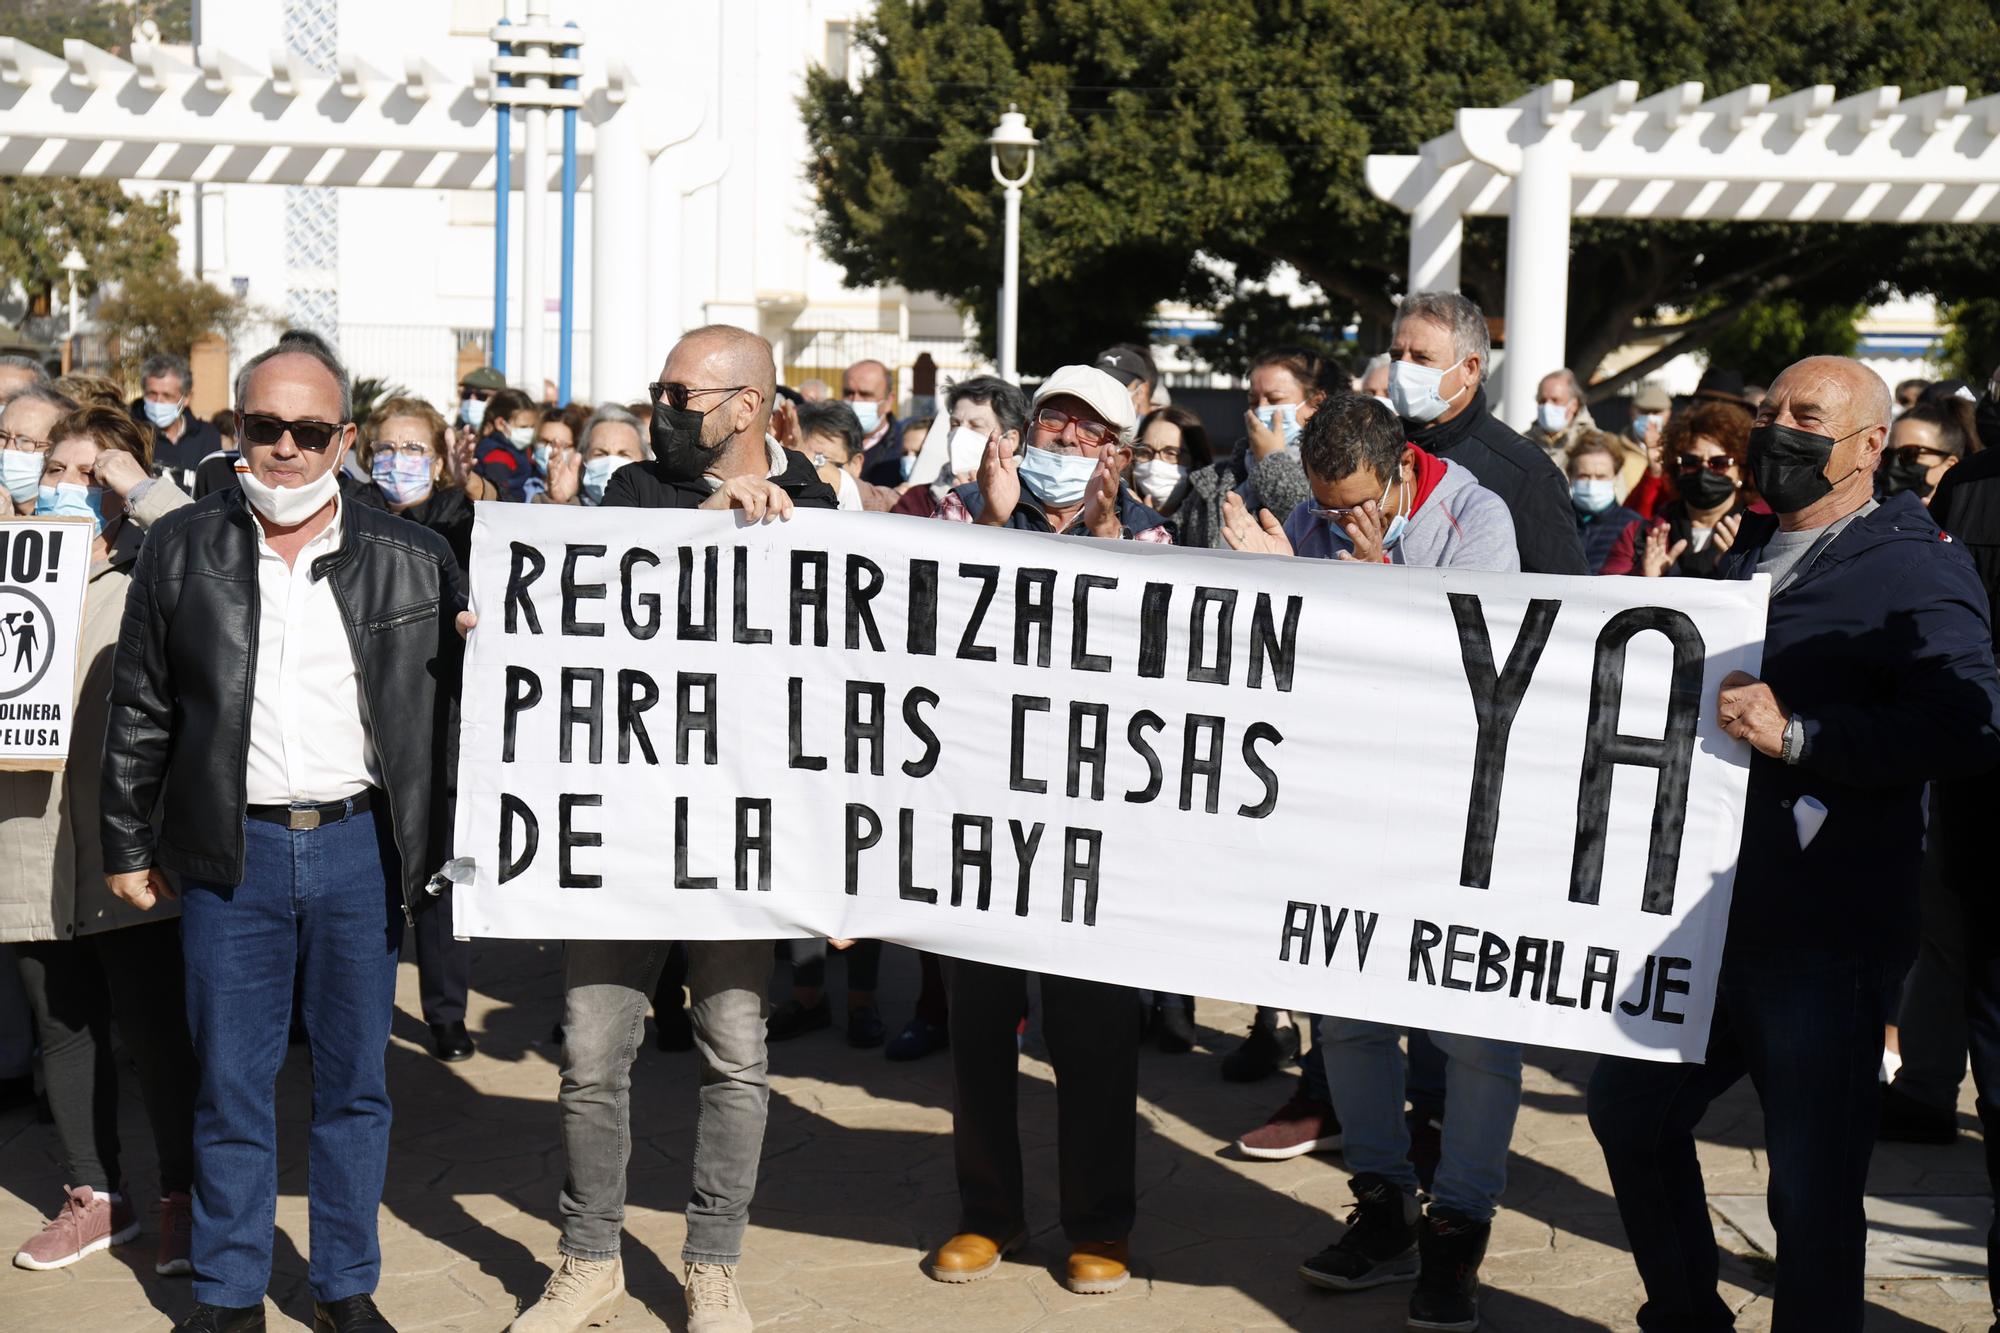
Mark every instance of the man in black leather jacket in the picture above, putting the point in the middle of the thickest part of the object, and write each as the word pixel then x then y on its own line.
pixel 282 699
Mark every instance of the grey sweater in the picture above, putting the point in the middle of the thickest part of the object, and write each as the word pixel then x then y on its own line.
pixel 1276 482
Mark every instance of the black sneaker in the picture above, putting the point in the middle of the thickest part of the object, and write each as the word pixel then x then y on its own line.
pixel 1904 1119
pixel 792 1019
pixel 1261 1053
pixel 1379 1245
pixel 1447 1296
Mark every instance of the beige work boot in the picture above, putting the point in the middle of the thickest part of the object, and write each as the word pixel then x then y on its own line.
pixel 582 1293
pixel 714 1304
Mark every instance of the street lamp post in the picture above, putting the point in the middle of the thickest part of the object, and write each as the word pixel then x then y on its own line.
pixel 72 264
pixel 1013 160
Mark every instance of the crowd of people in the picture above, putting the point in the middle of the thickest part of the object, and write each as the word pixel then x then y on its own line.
pixel 258 795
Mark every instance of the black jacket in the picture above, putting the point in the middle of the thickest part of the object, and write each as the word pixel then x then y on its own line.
pixel 1883 648
pixel 447 511
pixel 177 459
pixel 1600 533
pixel 187 655
pixel 640 486
pixel 1504 462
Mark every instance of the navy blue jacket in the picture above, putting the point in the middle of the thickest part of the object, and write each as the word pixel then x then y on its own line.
pixel 1133 514
pixel 1599 533
pixel 1883 647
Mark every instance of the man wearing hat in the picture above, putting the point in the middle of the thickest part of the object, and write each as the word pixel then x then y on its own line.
pixel 1132 366
pixel 1064 480
pixel 473 391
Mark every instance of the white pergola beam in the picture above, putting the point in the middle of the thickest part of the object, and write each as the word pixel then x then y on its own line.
pixel 22 65
pixel 1739 156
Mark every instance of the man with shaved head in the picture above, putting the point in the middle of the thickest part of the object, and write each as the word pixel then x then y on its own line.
pixel 1877 678
pixel 711 407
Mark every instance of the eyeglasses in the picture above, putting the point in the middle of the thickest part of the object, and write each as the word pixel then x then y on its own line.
pixel 474 395
pixel 264 429
pixel 677 395
pixel 1055 421
pixel 407 448
pixel 1721 463
pixel 1917 453
pixel 22 444
pixel 1145 453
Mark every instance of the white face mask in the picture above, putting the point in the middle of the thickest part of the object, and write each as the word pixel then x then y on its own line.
pixel 521 437
pixel 967 447
pixel 289 506
pixel 597 475
pixel 1156 478
pixel 1552 417
pixel 1413 390
pixel 22 473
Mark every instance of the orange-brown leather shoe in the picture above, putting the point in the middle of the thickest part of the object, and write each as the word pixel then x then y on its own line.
pixel 1099 1267
pixel 969 1256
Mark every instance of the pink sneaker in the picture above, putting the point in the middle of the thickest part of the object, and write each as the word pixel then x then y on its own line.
pixel 176 1222
pixel 87 1223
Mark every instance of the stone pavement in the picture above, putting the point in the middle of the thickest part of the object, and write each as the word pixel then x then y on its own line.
pixel 857 1182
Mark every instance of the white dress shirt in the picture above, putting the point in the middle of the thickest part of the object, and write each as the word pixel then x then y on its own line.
pixel 308 740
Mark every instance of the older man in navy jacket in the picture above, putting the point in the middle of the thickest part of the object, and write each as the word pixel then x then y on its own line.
pixel 1878 676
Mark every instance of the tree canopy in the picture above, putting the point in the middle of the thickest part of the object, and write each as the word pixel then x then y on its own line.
pixel 1235 131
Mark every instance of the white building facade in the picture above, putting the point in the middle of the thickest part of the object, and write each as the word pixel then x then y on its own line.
pixel 403 278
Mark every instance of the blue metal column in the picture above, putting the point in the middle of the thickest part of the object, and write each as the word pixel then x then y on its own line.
pixel 568 325
pixel 503 185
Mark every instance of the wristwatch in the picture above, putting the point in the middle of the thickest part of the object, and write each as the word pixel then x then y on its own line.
pixel 1794 747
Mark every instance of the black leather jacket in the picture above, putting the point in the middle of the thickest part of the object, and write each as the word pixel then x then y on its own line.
pixel 187 654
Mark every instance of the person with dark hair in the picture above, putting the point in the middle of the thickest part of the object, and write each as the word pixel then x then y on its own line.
pixel 1601 522
pixel 1439 349
pixel 1286 385
pixel 89 960
pixel 983 409
pixel 1705 447
pixel 1927 441
pixel 1377 499
pixel 1908 392
pixel 504 454
pixel 830 435
pixel 181 440
pixel 1172 444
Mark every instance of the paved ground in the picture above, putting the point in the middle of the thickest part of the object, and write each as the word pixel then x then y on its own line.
pixel 857 1182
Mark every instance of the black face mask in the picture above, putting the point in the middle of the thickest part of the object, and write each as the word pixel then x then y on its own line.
pixel 1703 489
pixel 1789 466
pixel 1901 474
pixel 677 447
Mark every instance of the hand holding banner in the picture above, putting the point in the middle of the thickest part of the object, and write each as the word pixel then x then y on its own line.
pixel 1494 804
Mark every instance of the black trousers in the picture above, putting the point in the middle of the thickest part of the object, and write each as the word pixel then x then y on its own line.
pixel 1092 1031
pixel 444 965
pixel 76 990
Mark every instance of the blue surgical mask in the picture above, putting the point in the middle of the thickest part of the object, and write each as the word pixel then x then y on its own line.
pixel 1398 523
pixel 908 464
pixel 162 415
pixel 1591 495
pixel 1552 418
pixel 1056 479
pixel 70 499
pixel 403 480
pixel 1281 417
pixel 542 459
pixel 471 412
pixel 597 475
pixel 1644 419
pixel 1413 390
pixel 870 415
pixel 22 473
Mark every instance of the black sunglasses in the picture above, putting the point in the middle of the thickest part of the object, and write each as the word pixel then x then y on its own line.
pixel 677 395
pixel 1718 463
pixel 262 428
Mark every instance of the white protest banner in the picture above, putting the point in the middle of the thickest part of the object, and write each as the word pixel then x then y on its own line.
pixel 44 570
pixel 1493 804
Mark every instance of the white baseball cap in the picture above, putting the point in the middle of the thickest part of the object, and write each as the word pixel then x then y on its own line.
pixel 1107 396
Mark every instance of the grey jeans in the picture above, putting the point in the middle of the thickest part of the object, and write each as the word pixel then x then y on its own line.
pixel 607 986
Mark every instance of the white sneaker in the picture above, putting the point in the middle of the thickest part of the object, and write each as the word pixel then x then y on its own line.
pixel 714 1304
pixel 581 1293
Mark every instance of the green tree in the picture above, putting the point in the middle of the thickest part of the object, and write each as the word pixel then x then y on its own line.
pixel 106 24
pixel 1766 336
pixel 163 310
pixel 120 237
pixel 1972 341
pixel 1235 131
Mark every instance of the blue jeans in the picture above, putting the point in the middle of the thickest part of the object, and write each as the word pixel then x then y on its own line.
pixel 321 904
pixel 1364 1066
pixel 1807 1028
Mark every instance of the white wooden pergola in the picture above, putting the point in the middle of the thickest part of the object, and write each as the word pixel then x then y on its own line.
pixel 1678 155
pixel 223 119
